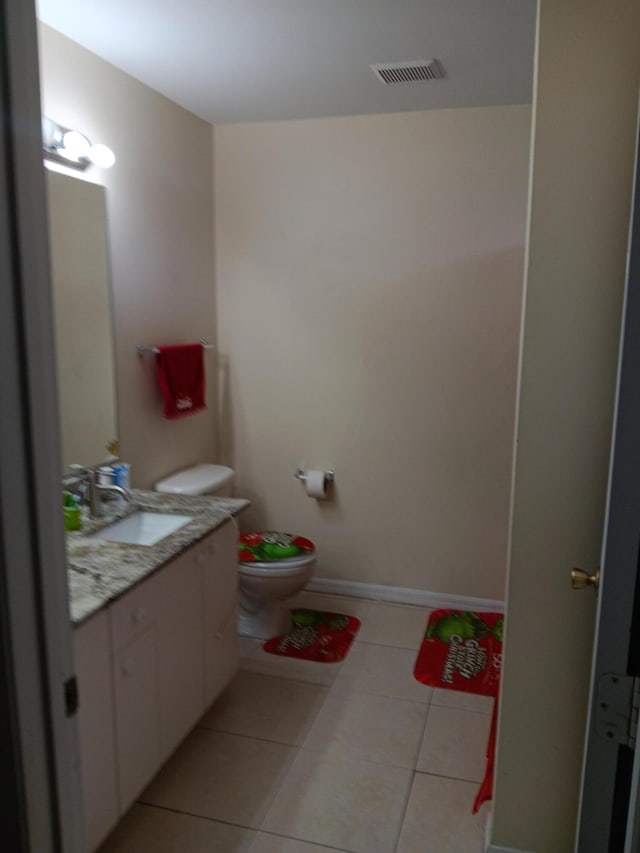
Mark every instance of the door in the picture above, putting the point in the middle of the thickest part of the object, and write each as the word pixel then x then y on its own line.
pixel 606 821
pixel 583 153
pixel 41 806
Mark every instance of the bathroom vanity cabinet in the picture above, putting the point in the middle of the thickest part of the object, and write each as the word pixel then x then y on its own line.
pixel 148 666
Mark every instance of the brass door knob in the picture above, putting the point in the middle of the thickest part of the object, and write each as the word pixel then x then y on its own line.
pixel 581 579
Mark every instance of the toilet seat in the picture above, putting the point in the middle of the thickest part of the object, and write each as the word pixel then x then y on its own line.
pixel 277 568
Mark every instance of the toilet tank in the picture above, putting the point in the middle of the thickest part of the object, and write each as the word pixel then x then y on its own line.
pixel 204 479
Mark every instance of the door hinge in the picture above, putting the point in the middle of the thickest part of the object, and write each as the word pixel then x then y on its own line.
pixel 71 701
pixel 617 704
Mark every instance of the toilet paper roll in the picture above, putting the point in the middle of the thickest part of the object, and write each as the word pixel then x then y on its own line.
pixel 317 485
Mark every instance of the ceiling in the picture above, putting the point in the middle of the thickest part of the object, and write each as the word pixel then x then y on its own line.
pixel 257 60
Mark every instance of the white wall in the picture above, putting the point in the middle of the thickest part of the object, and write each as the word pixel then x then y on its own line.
pixel 369 275
pixel 160 210
pixel 585 123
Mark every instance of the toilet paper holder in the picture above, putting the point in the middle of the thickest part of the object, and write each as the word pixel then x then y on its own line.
pixel 301 475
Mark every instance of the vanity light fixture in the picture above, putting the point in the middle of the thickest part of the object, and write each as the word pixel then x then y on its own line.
pixel 72 148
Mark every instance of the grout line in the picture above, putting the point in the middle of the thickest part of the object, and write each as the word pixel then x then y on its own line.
pixel 413 778
pixel 385 645
pixel 357 758
pixel 426 701
pixel 289 678
pixel 403 815
pixel 422 735
pixel 248 737
pixel 304 841
pixel 451 778
pixel 196 815
pixel 457 708
pixel 346 690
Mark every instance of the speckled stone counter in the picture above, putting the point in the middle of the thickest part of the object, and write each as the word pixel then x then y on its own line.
pixel 99 571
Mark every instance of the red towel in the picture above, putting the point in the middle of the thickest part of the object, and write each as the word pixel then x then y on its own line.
pixel 180 374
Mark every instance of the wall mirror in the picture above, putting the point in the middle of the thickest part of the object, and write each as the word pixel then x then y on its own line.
pixel 83 318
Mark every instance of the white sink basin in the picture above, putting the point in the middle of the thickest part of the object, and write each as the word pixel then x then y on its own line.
pixel 143 528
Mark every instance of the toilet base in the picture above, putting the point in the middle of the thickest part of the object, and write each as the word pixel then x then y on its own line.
pixel 271 620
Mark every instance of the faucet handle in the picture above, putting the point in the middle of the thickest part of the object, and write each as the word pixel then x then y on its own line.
pixel 80 471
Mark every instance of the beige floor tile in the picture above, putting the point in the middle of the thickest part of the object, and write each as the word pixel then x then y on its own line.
pixel 464 701
pixel 264 706
pixel 439 819
pixel 372 728
pixel 394 625
pixel 299 670
pixel 455 744
pixel 340 802
pixel 358 607
pixel 384 671
pixel 146 829
pixel 265 843
pixel 221 776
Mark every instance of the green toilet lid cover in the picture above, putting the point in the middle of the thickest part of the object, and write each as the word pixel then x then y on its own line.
pixel 270 545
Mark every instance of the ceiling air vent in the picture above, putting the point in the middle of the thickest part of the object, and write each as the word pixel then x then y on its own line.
pixel 418 71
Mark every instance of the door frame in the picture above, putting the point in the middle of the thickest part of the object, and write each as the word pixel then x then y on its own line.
pixel 38 739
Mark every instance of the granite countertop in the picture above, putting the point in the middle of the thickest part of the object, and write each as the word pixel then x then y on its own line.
pixel 99 571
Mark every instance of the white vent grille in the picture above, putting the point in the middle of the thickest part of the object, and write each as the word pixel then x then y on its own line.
pixel 418 71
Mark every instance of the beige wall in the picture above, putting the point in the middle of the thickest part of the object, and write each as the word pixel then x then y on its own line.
pixel 585 122
pixel 369 277
pixel 159 209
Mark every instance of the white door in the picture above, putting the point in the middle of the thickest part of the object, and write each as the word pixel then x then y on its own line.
pixel 583 152
pixel 606 821
pixel 39 771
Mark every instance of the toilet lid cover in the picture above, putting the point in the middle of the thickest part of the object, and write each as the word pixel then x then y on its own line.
pixel 270 545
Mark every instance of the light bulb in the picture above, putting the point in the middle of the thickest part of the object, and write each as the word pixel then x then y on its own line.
pixel 76 145
pixel 102 156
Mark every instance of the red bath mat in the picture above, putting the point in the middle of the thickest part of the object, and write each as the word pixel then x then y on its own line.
pixel 317 636
pixel 462 651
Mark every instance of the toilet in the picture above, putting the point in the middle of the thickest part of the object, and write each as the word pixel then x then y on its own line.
pixel 272 566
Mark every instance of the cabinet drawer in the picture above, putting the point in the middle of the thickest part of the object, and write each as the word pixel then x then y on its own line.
pixel 133 613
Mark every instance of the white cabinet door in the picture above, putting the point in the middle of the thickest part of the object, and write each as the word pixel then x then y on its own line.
pixel 136 706
pixel 180 634
pixel 92 655
pixel 221 651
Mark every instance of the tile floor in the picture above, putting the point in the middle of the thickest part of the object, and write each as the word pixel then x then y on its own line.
pixel 299 757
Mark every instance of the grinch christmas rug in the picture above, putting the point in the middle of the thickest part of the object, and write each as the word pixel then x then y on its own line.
pixel 317 636
pixel 462 651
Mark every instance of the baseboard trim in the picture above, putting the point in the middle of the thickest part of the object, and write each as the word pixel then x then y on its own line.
pixel 488 826
pixel 403 595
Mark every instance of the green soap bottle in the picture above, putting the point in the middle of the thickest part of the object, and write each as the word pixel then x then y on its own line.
pixel 72 520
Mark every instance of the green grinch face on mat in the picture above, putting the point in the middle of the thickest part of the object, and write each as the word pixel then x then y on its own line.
pixel 466 625
pixel 303 617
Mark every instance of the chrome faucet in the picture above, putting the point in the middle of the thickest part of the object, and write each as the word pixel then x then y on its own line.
pixel 89 476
